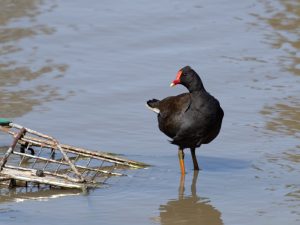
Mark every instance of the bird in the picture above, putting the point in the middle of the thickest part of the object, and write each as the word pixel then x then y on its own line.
pixel 189 119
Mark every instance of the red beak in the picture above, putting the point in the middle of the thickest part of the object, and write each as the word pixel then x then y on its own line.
pixel 177 80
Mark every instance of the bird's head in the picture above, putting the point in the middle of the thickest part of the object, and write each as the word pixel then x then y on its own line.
pixel 188 78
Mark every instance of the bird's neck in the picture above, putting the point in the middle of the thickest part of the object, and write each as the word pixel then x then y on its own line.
pixel 195 86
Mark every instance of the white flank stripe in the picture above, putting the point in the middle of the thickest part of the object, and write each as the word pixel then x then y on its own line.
pixel 156 110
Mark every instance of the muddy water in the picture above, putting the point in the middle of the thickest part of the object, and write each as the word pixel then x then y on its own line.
pixel 82 72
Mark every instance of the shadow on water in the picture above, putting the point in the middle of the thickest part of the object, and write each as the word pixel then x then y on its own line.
pixel 189 209
pixel 20 63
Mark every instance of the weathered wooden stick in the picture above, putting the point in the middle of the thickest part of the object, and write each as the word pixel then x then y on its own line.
pixel 12 147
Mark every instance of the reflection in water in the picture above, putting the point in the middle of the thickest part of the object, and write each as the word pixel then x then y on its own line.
pixel 16 71
pixel 190 210
pixel 21 194
pixel 283 118
pixel 284 21
pixel 11 9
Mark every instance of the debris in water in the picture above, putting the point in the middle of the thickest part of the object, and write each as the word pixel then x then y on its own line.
pixel 42 159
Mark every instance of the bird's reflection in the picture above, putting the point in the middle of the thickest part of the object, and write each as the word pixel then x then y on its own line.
pixel 191 210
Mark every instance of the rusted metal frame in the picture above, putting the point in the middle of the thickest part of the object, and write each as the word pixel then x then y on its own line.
pixel 113 168
pixel 58 167
pixel 70 163
pixel 87 166
pixel 88 163
pixel 81 179
pixel 12 147
pixel 45 172
pixel 81 152
pixel 40 151
pixel 104 156
pixel 101 155
pixel 52 152
pixel 73 161
pixel 21 161
pixel 32 131
pixel 66 164
pixel 4 178
pixel 76 158
pixel 97 171
pixel 50 144
pixel 49 181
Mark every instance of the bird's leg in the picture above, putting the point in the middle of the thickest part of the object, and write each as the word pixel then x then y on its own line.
pixel 181 160
pixel 193 152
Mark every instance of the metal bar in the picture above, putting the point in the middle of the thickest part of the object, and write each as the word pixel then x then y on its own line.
pixel 70 163
pixel 45 172
pixel 58 166
pixel 12 147
pixel 84 152
pixel 57 145
pixel 22 160
pixel 88 162
pixel 26 176
pixel 113 167
pixel 5 178
pixel 32 131
pixel 87 153
pixel 33 164
pixel 74 161
pixel 52 152
pixel 93 177
pixel 64 163
pixel 86 166
pixel 24 155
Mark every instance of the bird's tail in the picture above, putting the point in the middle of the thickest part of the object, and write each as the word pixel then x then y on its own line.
pixel 153 105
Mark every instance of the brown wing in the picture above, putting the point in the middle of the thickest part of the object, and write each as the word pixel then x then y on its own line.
pixel 171 111
pixel 174 105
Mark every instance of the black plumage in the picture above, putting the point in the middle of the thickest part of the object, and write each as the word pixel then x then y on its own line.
pixel 189 119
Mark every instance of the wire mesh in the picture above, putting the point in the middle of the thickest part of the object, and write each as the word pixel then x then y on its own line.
pixel 37 157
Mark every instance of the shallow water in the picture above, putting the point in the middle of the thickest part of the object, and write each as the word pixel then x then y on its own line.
pixel 82 73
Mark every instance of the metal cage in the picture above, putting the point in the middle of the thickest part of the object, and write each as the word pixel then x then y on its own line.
pixel 39 158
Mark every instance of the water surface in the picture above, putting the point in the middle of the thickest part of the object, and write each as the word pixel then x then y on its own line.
pixel 82 72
